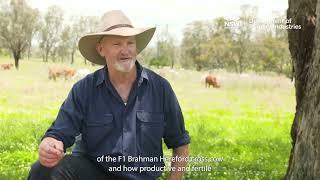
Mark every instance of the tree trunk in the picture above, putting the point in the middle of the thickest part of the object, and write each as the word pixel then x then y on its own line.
pixel 304 45
pixel 46 55
pixel 72 58
pixel 172 63
pixel 16 56
pixel 29 50
pixel 240 60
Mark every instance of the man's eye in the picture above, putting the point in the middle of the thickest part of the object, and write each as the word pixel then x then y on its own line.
pixel 131 42
pixel 116 44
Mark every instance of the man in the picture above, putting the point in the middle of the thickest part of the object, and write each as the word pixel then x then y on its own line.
pixel 122 111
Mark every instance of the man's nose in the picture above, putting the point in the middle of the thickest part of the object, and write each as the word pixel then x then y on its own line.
pixel 125 49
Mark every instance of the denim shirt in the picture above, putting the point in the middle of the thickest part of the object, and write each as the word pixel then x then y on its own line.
pixel 112 128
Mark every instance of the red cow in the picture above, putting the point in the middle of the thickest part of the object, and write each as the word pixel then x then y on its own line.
pixel 55 72
pixel 6 66
pixel 212 80
pixel 69 73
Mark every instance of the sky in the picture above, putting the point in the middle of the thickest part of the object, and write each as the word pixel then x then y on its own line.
pixel 174 14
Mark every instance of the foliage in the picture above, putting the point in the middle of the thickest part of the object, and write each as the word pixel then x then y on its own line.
pixel 237 48
pixel 195 36
pixel 81 25
pixel 50 29
pixel 272 55
pixel 17 25
pixel 165 50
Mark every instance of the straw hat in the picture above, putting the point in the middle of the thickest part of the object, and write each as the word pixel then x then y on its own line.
pixel 113 23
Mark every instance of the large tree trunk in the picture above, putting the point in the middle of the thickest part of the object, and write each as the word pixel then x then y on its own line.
pixel 304 44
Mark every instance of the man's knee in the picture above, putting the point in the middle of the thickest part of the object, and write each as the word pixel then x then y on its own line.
pixel 39 172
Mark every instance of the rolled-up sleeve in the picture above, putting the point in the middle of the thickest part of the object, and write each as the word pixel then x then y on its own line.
pixel 67 125
pixel 175 133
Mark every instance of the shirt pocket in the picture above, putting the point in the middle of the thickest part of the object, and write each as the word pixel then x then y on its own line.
pixel 150 132
pixel 98 131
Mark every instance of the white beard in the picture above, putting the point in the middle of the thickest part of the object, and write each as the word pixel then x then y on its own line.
pixel 124 66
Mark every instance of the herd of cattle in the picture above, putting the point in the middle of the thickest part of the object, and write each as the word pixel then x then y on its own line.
pixel 67 73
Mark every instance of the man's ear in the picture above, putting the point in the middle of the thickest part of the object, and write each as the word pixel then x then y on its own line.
pixel 99 49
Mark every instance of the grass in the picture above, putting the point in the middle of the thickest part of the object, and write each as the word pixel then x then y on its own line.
pixel 246 122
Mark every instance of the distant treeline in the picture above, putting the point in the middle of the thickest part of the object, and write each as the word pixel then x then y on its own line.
pixel 241 44
pixel 238 44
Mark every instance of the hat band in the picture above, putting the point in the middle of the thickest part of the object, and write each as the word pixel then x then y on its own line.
pixel 118 26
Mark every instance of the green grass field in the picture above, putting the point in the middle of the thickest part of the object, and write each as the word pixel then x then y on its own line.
pixel 246 122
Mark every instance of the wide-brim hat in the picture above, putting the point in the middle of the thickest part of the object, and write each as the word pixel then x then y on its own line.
pixel 113 23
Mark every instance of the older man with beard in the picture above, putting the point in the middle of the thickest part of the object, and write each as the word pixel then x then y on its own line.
pixel 122 110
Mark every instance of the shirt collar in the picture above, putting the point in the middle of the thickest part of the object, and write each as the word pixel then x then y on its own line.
pixel 141 72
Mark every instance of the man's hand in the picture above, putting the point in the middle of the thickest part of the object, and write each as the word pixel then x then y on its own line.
pixel 50 152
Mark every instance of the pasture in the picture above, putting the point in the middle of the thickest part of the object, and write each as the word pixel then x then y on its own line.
pixel 246 122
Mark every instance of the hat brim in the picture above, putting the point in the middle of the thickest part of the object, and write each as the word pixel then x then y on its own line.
pixel 87 44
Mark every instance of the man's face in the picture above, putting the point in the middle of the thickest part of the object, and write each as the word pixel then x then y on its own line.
pixel 119 51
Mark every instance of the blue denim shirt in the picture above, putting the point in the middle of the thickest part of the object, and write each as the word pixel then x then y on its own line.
pixel 108 127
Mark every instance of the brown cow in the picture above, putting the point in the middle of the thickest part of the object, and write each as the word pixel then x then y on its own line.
pixel 212 80
pixel 55 72
pixel 6 66
pixel 69 73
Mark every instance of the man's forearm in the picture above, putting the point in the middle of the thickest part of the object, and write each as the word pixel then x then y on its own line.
pixel 183 152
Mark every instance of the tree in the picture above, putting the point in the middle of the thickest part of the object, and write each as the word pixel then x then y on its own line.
pixel 64 45
pixel 36 30
pixel 146 55
pixel 50 31
pixel 242 37
pixel 17 26
pixel 165 50
pixel 304 45
pixel 195 36
pixel 270 53
pixel 217 49
pixel 81 26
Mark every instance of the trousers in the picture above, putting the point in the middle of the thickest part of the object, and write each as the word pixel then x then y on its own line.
pixel 71 167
